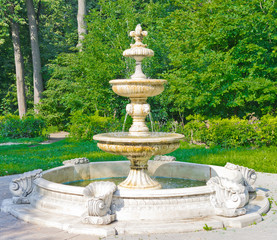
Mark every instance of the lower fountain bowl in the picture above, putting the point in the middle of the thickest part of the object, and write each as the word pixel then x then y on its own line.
pixel 176 210
pixel 123 143
pixel 138 149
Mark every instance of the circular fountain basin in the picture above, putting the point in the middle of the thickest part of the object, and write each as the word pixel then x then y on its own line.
pixel 124 143
pixel 138 88
pixel 137 211
pixel 51 195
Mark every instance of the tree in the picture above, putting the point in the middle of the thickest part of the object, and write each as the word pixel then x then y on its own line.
pixel 9 11
pixel 222 58
pixel 57 32
pixel 37 78
pixel 18 58
pixel 82 27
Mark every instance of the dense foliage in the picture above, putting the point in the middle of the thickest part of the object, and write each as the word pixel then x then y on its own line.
pixel 219 58
pixel 28 127
pixel 223 58
pixel 57 33
pixel 83 126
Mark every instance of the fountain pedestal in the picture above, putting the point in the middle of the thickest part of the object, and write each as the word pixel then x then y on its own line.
pixel 138 178
pixel 138 109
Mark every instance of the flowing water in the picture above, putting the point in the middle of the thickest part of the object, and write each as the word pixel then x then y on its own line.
pixel 166 182
pixel 151 121
pixel 124 123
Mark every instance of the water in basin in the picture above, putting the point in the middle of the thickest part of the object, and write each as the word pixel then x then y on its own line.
pixel 166 182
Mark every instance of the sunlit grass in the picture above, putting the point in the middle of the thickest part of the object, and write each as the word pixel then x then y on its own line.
pixel 26 157
pixel 262 159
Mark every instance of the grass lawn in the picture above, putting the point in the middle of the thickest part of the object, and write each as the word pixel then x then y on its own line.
pixel 23 140
pixel 26 157
pixel 262 159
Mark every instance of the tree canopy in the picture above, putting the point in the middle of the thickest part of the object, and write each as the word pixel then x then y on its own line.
pixel 219 57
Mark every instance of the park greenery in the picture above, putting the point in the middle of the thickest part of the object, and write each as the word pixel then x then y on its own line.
pixel 219 58
pixel 31 155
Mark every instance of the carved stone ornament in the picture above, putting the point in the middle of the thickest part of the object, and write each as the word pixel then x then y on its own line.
pixel 249 175
pixel 22 186
pixel 164 158
pixel 229 198
pixel 99 198
pixel 138 35
pixel 138 51
pixel 76 161
pixel 129 109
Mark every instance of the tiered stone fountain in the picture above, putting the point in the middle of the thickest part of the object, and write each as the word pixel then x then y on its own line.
pixel 139 204
pixel 138 145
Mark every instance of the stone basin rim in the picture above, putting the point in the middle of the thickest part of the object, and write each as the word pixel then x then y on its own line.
pixel 152 138
pixel 134 193
pixel 141 193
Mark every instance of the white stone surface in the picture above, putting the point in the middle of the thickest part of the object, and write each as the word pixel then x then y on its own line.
pixel 181 210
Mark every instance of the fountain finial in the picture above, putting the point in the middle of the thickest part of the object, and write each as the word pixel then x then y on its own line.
pixel 138 35
pixel 138 51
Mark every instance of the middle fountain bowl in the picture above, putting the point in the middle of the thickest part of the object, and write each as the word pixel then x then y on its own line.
pixel 138 145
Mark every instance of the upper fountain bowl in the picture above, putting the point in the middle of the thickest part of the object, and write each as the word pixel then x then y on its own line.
pixel 138 88
pixel 138 53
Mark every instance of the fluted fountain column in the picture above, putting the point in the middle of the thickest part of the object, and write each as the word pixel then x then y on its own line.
pixel 138 109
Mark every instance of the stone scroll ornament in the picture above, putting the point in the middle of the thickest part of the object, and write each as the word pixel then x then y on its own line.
pixel 249 175
pixel 229 198
pixel 99 198
pixel 23 186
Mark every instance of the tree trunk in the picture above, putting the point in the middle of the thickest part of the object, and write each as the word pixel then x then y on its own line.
pixel 19 69
pixel 37 78
pixel 82 27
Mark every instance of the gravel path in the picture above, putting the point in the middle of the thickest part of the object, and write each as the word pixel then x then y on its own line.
pixel 53 137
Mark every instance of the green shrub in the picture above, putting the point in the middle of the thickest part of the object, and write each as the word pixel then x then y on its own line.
pixel 232 132
pixel 84 126
pixel 12 126
pixel 195 130
pixel 267 131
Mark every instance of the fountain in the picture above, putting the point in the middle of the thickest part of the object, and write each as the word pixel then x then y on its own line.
pixel 138 204
pixel 138 145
